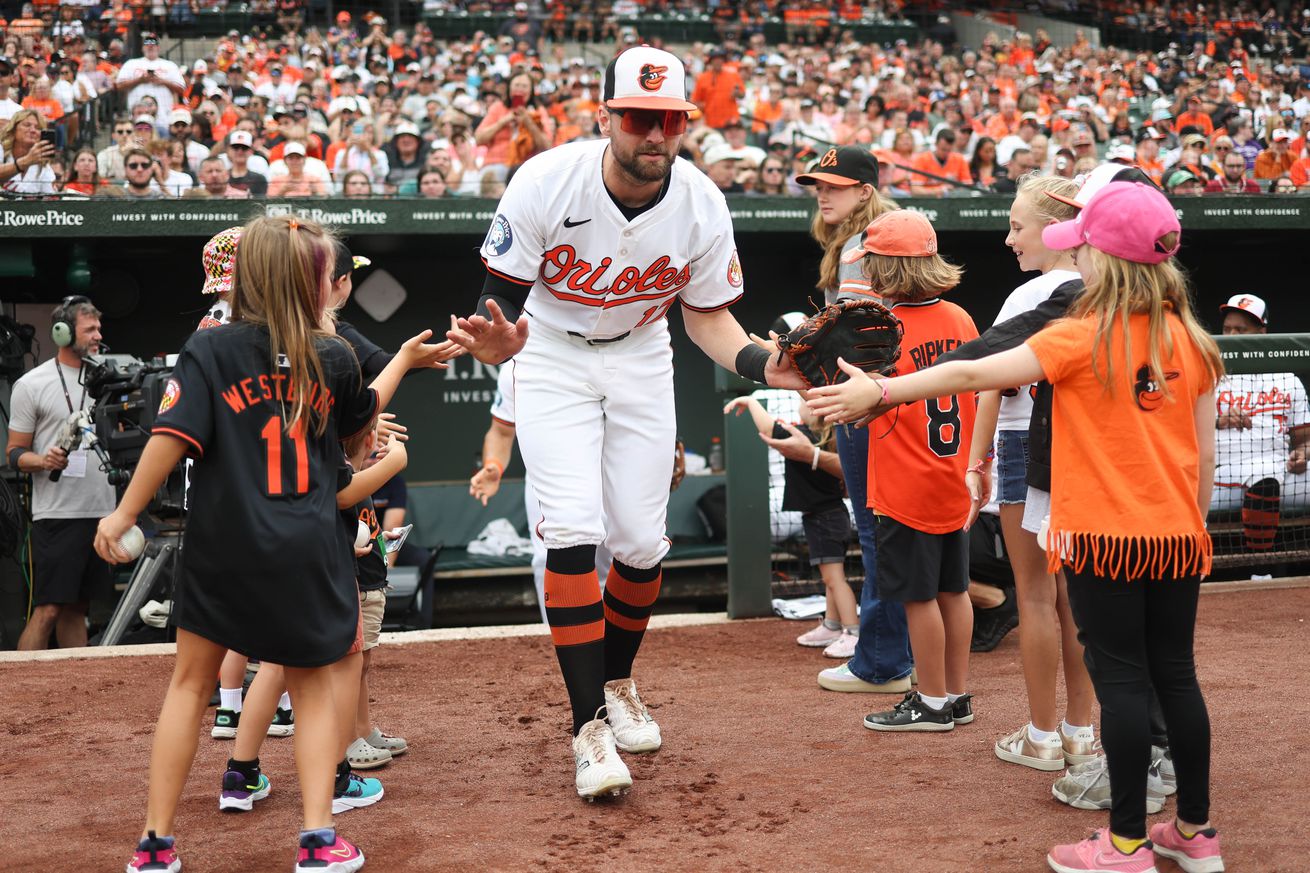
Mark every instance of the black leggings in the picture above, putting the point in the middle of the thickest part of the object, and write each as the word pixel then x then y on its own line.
pixel 1137 635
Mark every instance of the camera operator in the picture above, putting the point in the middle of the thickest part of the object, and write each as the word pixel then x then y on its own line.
pixel 65 512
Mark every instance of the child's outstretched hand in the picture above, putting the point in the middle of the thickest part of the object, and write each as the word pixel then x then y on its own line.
pixel 852 400
pixel 389 429
pixel 361 552
pixel 737 405
pixel 418 352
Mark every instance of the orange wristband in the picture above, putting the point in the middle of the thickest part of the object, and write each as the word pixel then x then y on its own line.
pixel 492 462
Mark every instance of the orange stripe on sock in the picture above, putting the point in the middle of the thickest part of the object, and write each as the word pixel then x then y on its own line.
pixel 636 625
pixel 578 634
pixel 564 590
pixel 640 594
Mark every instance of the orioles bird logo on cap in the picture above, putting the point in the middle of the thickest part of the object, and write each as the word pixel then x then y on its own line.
pixel 651 77
pixel 829 159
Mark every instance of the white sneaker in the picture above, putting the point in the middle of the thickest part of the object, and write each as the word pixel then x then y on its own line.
pixel 634 729
pixel 1087 786
pixel 843 647
pixel 600 769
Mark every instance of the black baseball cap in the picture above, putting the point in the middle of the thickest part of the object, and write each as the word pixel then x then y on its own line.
pixel 6 68
pixel 843 165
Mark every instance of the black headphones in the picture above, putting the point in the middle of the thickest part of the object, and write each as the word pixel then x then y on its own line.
pixel 63 331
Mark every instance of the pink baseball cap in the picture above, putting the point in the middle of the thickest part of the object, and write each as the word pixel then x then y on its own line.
pixel 1124 219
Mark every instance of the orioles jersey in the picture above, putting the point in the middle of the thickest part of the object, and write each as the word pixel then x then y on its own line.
pixel 594 273
pixel 919 451
pixel 267 568
pixel 1276 405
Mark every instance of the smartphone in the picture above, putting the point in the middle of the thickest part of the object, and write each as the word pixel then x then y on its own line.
pixel 517 101
pixel 357 128
pixel 401 534
pixel 51 136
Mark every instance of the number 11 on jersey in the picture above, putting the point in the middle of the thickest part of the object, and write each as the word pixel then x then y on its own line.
pixel 272 435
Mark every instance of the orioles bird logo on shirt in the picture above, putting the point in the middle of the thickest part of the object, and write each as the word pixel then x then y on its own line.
pixel 829 159
pixel 651 77
pixel 172 393
pixel 1147 390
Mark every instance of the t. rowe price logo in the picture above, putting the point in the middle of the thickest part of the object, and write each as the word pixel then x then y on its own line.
pixel 562 266
pixel 49 218
pixel 357 215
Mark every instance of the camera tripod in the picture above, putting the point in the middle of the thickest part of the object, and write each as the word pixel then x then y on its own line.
pixel 161 555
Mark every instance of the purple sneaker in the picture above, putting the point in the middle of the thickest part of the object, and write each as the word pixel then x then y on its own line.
pixel 239 793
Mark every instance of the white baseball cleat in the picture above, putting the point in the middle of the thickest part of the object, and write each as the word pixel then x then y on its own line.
pixel 634 729
pixel 600 769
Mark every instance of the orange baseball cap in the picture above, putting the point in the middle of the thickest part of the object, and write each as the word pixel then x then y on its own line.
pixel 902 233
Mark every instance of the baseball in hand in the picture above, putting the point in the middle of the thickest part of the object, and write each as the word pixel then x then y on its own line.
pixel 362 537
pixel 133 542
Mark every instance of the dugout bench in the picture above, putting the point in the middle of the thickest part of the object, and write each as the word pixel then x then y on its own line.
pixel 446 519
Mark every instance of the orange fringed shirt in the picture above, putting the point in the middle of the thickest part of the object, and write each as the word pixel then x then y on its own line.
pixel 1125 465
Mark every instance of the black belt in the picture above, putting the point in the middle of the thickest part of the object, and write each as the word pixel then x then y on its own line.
pixel 601 342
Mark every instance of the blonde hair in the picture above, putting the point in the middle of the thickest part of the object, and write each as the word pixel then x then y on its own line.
pixel 834 236
pixel 280 281
pixel 1124 288
pixel 910 280
pixel 10 131
pixel 1035 188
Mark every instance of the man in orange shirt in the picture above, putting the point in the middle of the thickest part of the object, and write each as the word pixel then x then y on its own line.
pixel 1300 170
pixel 717 91
pixel 943 160
pixel 1277 159
pixel 1195 116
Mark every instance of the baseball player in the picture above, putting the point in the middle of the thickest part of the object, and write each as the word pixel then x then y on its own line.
pixel 497 446
pixel 591 246
pixel 1262 433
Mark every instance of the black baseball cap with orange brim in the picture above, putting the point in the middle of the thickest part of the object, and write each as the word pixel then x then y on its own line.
pixel 843 166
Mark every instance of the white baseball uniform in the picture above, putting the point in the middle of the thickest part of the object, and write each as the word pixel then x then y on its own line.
pixel 1276 403
pixel 502 409
pixel 594 384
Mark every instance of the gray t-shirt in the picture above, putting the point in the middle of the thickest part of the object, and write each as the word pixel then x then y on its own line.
pixel 851 281
pixel 40 408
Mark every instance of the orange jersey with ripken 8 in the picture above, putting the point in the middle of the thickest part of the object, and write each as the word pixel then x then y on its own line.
pixel 918 452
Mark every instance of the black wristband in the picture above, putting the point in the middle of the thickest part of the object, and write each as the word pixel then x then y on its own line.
pixel 751 362
pixel 14 454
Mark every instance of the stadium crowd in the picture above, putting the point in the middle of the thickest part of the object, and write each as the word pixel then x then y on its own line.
pixel 362 109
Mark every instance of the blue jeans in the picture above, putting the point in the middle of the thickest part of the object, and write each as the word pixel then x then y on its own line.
pixel 883 651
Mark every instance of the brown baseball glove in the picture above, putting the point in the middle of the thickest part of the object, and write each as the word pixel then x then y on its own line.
pixel 862 332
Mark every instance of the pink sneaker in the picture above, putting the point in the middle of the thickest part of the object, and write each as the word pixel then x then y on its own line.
pixel 843 647
pixel 155 855
pixel 1097 854
pixel 1199 854
pixel 323 851
pixel 819 637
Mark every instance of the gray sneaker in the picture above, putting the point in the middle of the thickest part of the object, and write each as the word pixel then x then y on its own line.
pixel 1087 786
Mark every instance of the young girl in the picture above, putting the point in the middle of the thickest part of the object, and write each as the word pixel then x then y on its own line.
pixel 1132 470
pixel 261 403
pixel 1046 626
pixel 846 193
pixel 817 494
pixel 916 477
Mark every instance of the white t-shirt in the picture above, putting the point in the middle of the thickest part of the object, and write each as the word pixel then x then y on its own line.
pixel 37 179
pixel 1017 410
pixel 254 164
pixel 592 271
pixel 165 70
pixel 8 108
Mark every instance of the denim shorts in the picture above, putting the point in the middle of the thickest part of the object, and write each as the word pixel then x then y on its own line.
pixel 1012 466
pixel 827 532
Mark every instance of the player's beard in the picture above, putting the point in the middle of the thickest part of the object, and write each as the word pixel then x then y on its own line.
pixel 639 170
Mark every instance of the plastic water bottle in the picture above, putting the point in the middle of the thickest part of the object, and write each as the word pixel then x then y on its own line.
pixel 716 455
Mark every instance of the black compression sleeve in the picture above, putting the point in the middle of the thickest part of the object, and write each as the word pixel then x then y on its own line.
pixel 751 362
pixel 509 296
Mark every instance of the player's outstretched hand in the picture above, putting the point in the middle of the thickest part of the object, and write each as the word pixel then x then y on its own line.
pixel 485 483
pixel 778 372
pixel 491 341
pixel 855 400
pixel 980 492
pixel 108 533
